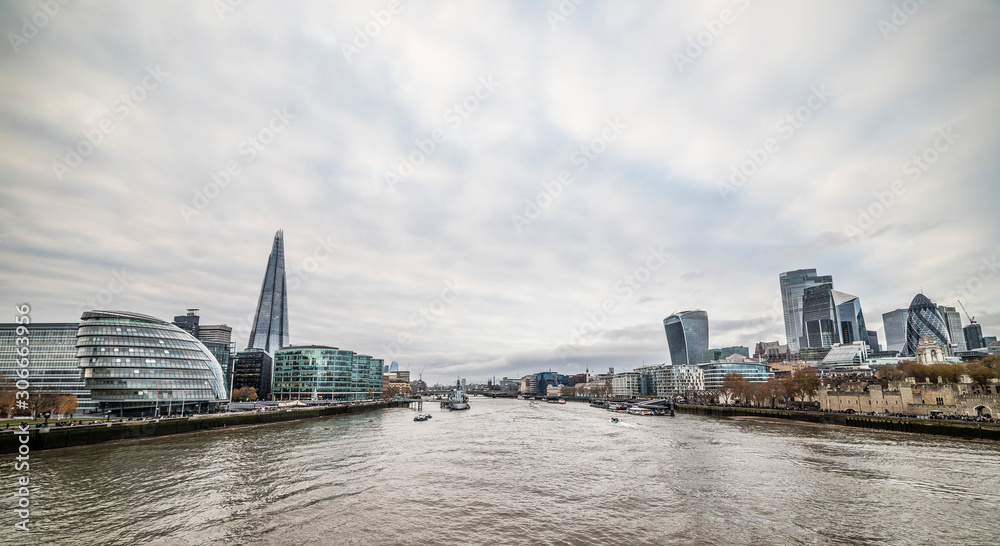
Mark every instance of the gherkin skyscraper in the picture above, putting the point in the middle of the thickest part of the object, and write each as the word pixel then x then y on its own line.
pixel 270 324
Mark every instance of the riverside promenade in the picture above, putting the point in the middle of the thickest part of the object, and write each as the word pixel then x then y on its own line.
pixel 54 437
pixel 940 427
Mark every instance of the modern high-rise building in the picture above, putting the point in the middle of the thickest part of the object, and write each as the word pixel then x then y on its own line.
pixel 270 324
pixel 830 316
pixel 687 336
pixel 820 326
pixel 973 334
pixel 53 366
pixel 953 319
pixel 924 319
pixel 873 341
pixel 894 323
pixel 136 364
pixel 793 285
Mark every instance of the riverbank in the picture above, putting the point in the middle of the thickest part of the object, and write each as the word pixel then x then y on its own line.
pixel 59 437
pixel 939 427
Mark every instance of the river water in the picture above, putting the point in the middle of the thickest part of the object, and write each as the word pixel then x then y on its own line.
pixel 508 473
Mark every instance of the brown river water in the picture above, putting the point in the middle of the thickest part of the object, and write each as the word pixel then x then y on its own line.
pixel 508 473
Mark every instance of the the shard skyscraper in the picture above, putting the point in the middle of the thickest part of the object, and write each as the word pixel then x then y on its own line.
pixel 270 324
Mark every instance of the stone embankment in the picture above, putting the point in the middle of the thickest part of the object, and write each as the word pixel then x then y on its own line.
pixel 940 427
pixel 53 437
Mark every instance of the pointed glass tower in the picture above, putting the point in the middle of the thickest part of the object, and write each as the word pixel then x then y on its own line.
pixel 270 324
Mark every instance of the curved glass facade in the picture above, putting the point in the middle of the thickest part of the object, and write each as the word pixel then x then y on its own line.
pixel 687 336
pixel 715 372
pixel 136 363
pixel 924 319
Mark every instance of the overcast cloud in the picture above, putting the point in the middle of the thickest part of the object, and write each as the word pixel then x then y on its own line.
pixel 568 166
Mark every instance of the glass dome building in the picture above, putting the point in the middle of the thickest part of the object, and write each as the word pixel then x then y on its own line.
pixel 140 365
pixel 924 319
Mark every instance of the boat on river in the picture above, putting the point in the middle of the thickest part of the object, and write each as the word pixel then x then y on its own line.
pixel 457 400
pixel 421 417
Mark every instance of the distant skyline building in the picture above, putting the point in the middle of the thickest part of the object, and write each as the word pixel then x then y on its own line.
pixel 953 320
pixel 924 319
pixel 793 285
pixel 830 316
pixel 873 341
pixel 973 334
pixel 819 317
pixel 723 352
pixel 687 336
pixel 894 324
pixel 270 324
pixel 188 322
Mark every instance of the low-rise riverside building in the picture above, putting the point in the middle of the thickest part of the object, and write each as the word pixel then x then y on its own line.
pixel 910 397
pixel 665 380
pixel 751 370
pixel 319 372
pixel 626 385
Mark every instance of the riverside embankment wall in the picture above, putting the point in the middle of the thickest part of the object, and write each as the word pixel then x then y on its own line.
pixel 57 437
pixel 956 429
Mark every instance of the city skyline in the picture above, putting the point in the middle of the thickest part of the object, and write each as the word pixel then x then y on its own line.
pixel 502 198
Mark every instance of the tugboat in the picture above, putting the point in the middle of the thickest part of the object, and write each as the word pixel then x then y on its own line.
pixel 457 400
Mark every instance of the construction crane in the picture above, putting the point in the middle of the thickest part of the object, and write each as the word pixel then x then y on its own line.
pixel 421 374
pixel 972 320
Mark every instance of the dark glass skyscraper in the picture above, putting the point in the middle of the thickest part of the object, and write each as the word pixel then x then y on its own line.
pixel 793 285
pixel 973 334
pixel 819 317
pixel 687 336
pixel 270 325
pixel 924 319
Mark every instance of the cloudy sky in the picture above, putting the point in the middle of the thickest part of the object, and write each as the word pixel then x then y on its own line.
pixel 483 188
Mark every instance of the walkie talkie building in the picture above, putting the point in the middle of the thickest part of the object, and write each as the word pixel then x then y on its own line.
pixel 687 336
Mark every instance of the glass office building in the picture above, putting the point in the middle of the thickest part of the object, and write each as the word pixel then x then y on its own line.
pixel 894 323
pixel 924 319
pixel 819 318
pixel 793 286
pixel 136 364
pixel 687 336
pixel 953 320
pixel 714 372
pixel 973 334
pixel 270 324
pixel 830 316
pixel 664 380
pixel 52 364
pixel 318 372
